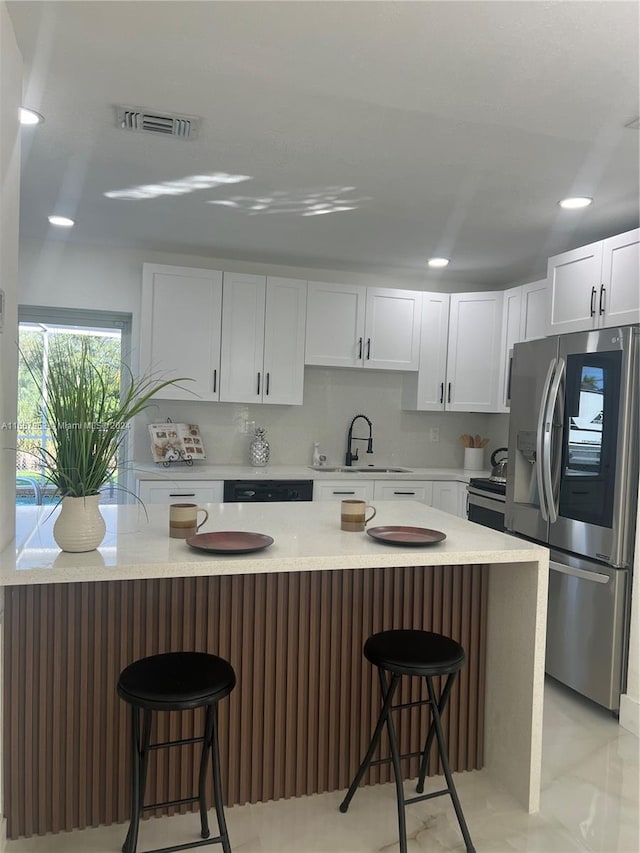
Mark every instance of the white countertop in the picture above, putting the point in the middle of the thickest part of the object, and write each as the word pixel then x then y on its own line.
pixel 307 538
pixel 201 471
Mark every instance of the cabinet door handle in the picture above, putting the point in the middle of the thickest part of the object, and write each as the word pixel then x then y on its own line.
pixel 258 391
pixel 267 388
pixel 368 348
pixel 442 392
pixel 509 380
pixel 449 393
pixel 602 295
pixel 359 348
pixel 215 380
pixel 592 309
pixel 343 493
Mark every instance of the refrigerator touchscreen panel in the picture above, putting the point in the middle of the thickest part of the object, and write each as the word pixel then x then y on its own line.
pixel 590 437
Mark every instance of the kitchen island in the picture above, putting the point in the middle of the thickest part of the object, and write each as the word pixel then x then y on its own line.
pixel 292 620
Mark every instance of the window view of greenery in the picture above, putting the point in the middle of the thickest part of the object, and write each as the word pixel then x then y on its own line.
pixel 38 344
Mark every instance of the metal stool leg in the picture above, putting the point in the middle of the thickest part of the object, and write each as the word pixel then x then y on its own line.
pixel 387 699
pixel 217 784
pixel 202 779
pixel 424 764
pixel 395 760
pixel 139 756
pixel 444 758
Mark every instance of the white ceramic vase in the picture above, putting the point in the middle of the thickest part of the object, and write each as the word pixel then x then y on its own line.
pixel 80 525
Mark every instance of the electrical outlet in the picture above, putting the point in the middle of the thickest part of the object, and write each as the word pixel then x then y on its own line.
pixel 434 434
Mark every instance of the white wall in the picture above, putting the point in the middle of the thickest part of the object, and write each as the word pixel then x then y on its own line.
pixel 10 92
pixel 61 275
pixel 630 701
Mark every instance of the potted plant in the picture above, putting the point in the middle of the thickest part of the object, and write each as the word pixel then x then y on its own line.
pixel 86 418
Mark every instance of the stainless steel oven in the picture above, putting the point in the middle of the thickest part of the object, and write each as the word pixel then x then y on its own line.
pixel 486 502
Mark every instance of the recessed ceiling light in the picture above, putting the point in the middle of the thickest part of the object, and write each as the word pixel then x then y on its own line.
pixel 30 116
pixel 575 203
pixel 438 262
pixel 61 221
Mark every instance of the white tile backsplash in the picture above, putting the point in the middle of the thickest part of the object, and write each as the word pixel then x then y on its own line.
pixel 332 396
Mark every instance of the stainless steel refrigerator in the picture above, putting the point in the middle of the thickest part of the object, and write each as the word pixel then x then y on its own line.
pixel 572 484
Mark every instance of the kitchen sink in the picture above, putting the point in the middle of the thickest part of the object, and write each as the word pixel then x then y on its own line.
pixel 371 470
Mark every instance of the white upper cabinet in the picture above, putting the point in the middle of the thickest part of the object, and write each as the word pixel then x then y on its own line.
pixel 351 326
pixel 424 390
pixel 473 357
pixel 180 329
pixel 595 286
pixel 263 322
pixel 335 324
pixel 619 298
pixel 459 357
pixel 392 329
pixel 511 335
pixel 533 310
pixel 524 318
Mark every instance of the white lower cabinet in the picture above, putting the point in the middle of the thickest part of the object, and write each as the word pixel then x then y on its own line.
pixel 343 490
pixel 404 490
pixel 180 491
pixel 450 496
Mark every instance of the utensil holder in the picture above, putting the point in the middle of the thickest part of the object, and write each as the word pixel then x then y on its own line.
pixel 474 458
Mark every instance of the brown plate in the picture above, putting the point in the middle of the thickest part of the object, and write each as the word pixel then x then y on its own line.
pixel 394 535
pixel 229 542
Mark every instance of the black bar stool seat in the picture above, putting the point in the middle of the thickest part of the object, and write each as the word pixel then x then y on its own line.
pixel 409 652
pixel 176 681
pixel 427 655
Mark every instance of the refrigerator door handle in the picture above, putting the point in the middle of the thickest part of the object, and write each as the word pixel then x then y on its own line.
pixel 595 577
pixel 540 440
pixel 549 476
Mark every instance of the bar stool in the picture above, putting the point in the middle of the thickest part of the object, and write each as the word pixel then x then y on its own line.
pixel 177 681
pixel 416 653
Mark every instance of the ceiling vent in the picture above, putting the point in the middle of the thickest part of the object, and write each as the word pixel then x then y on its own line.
pixel 160 124
pixel 634 124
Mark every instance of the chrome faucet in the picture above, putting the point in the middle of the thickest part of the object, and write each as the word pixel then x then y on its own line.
pixel 353 457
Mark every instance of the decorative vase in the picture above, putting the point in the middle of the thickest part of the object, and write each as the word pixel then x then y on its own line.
pixel 259 449
pixel 80 525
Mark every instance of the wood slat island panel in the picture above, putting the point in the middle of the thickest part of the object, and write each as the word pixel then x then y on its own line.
pixel 298 721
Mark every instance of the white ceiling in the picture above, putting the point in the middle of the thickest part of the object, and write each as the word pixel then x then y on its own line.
pixel 458 125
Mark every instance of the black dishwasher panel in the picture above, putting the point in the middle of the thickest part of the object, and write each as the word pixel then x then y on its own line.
pixel 252 491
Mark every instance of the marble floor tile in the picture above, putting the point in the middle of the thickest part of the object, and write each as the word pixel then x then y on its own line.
pixel 589 805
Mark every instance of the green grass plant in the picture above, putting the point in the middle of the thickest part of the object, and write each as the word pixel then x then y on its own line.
pixel 86 417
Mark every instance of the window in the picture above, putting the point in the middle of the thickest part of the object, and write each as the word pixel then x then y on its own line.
pixel 39 328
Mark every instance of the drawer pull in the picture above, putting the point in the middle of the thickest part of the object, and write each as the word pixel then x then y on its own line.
pixel 343 493
pixel 404 493
pixel 182 494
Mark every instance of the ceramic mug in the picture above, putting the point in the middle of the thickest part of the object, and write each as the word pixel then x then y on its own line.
pixel 183 520
pixel 353 515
